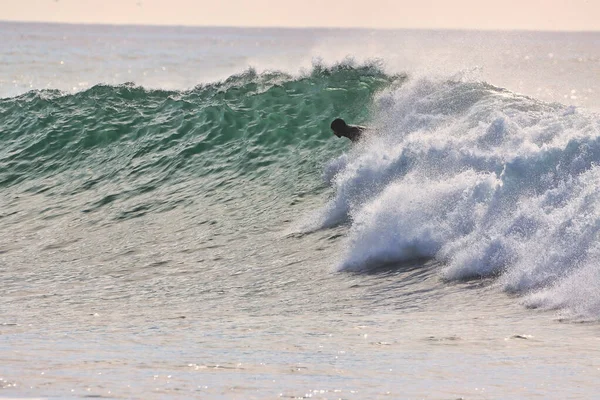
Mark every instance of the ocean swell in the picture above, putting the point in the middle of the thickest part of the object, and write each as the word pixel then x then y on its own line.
pixel 125 142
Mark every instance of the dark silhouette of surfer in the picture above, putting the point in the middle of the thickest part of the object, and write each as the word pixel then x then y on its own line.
pixel 341 128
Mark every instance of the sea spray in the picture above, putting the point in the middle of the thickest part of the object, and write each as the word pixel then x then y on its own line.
pixel 489 182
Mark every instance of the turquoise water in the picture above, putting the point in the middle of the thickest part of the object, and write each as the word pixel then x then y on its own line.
pixel 126 141
pixel 177 219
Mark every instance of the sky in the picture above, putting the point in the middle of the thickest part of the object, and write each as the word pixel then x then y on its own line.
pixel 561 15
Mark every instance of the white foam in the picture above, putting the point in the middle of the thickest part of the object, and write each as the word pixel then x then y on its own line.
pixel 490 182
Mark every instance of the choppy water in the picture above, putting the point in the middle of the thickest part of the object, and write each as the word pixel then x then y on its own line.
pixel 177 220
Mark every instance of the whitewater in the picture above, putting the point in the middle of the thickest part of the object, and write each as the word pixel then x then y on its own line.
pixel 178 221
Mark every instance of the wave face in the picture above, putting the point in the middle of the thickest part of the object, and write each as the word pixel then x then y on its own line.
pixel 121 142
pixel 490 183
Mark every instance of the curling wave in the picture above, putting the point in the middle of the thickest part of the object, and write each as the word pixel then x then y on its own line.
pixel 491 183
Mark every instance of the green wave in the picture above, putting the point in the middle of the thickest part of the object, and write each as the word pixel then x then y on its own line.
pixel 136 140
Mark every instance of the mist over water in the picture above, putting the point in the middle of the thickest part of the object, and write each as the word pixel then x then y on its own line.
pixel 177 219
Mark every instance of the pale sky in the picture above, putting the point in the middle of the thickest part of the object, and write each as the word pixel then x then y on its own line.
pixel 574 15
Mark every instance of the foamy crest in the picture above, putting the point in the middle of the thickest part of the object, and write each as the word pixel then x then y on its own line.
pixel 490 182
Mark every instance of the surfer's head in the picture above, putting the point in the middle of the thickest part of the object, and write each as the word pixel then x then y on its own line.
pixel 339 126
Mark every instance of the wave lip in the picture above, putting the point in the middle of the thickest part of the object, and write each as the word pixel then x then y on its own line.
pixel 492 183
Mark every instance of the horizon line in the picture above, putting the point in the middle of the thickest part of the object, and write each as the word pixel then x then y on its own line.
pixel 160 25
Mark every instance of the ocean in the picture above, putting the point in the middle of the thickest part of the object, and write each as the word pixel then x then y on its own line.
pixel 177 220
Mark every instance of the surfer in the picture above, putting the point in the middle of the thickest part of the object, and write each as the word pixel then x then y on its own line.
pixel 341 128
